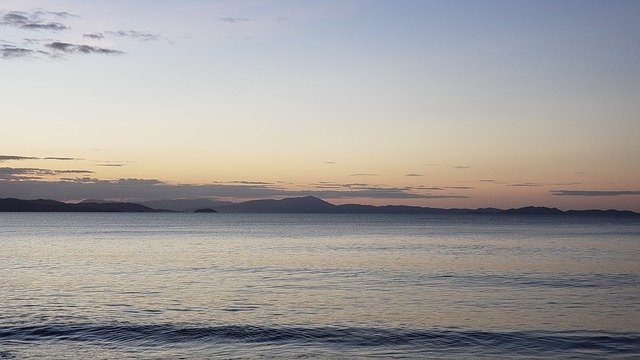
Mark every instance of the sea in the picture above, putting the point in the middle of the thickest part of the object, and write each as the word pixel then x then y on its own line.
pixel 298 286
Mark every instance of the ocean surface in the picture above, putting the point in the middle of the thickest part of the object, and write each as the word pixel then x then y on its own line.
pixel 182 286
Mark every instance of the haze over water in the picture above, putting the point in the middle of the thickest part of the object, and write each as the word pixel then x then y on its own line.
pixel 273 286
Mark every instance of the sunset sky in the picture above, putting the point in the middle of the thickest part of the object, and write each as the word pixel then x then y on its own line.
pixel 434 103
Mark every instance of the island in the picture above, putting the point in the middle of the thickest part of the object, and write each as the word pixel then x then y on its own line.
pixel 205 210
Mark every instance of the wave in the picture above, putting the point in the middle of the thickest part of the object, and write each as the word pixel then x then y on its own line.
pixel 528 343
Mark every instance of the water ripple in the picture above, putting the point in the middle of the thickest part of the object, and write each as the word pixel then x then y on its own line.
pixel 527 343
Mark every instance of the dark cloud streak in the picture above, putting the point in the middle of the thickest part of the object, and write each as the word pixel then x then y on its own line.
pixel 17 174
pixel 19 157
pixel 33 20
pixel 95 36
pixel 60 14
pixel 594 193
pixel 130 34
pixel 525 184
pixel 12 52
pixel 68 48
pixel 234 20
pixel 135 34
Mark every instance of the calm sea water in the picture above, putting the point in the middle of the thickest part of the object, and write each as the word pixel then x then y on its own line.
pixel 118 286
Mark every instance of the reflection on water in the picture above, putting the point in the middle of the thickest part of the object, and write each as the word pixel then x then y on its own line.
pixel 289 285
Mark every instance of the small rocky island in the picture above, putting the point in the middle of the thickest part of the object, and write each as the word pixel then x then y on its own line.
pixel 205 210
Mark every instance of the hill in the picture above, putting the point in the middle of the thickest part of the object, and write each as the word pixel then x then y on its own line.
pixel 307 204
pixel 17 205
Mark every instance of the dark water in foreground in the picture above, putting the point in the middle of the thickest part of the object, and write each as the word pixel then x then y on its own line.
pixel 317 286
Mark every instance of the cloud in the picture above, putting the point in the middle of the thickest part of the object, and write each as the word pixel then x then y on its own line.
pixel 525 184
pixel 460 187
pixel 111 165
pixel 18 157
pixel 68 48
pixel 61 158
pixel 17 174
pixel 33 20
pixel 108 163
pixel 331 185
pixel 54 48
pixel 72 172
pixel 85 180
pixel 135 34
pixel 130 34
pixel 394 192
pixel 134 181
pixel 378 193
pixel 413 175
pixel 534 184
pixel 432 188
pixel 60 14
pixel 446 197
pixel 593 193
pixel 330 163
pixel 133 189
pixel 245 182
pixel 7 173
pixel 489 181
pixel 233 20
pixel 460 167
pixel 95 36
pixel 36 41
pixel 11 52
pixel 363 174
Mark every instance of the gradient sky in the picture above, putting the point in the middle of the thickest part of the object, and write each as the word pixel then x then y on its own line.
pixel 436 103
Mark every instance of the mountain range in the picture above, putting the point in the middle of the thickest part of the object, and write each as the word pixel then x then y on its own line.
pixel 40 205
pixel 298 205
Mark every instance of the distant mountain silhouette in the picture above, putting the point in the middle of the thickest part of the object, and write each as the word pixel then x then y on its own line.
pixel 313 205
pixel 188 205
pixel 487 211
pixel 533 210
pixel 307 204
pixel 299 205
pixel 85 201
pixel 392 209
pixel 16 205
pixel 610 212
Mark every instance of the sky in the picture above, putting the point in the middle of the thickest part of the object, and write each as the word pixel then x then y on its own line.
pixel 432 103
